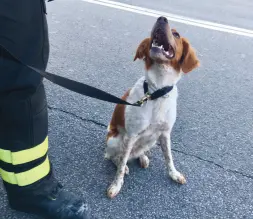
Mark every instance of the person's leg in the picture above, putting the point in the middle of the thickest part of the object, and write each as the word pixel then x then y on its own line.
pixel 24 163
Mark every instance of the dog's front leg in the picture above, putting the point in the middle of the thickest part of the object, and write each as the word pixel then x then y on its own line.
pixel 166 148
pixel 118 181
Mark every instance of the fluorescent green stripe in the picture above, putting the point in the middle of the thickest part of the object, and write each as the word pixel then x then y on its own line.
pixel 26 178
pixel 24 156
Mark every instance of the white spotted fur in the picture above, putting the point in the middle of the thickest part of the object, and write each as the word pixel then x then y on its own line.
pixel 145 125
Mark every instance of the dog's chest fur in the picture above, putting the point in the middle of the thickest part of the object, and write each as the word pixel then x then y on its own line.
pixel 154 113
pixel 145 124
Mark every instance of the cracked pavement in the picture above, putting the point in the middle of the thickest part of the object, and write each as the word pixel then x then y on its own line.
pixel 211 140
pixel 178 151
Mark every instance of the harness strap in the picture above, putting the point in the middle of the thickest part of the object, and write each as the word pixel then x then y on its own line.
pixel 158 93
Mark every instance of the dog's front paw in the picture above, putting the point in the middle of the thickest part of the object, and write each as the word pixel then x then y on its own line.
pixel 144 161
pixel 178 177
pixel 114 188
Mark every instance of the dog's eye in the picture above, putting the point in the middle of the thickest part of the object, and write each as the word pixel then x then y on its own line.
pixel 176 34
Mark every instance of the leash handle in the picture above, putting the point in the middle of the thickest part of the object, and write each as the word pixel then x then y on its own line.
pixel 75 86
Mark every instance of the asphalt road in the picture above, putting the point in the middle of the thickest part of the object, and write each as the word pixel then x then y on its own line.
pixel 213 135
pixel 230 12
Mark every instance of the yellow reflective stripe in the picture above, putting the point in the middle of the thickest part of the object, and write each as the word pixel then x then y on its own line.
pixel 28 177
pixel 24 156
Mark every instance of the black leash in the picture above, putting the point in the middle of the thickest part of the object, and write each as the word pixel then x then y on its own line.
pixel 75 86
pixel 93 92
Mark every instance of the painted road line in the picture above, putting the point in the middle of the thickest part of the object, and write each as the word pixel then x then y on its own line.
pixel 173 17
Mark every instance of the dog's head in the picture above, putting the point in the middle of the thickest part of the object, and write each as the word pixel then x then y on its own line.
pixel 166 46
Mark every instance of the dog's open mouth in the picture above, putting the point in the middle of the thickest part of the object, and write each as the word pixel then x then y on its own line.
pixel 162 46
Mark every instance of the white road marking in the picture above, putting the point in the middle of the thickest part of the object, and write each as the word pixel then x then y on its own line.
pixel 173 17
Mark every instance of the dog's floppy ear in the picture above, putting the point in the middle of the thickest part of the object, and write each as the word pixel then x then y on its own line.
pixel 190 60
pixel 143 49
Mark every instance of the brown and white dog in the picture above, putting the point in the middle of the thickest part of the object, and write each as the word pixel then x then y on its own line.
pixel 133 131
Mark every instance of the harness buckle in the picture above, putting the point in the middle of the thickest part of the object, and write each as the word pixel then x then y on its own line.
pixel 144 99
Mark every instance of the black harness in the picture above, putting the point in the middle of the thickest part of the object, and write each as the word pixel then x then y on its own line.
pixel 157 94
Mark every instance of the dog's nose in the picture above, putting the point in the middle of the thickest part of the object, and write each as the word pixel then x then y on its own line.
pixel 162 20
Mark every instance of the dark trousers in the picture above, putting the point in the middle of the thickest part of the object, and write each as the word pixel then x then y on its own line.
pixel 24 163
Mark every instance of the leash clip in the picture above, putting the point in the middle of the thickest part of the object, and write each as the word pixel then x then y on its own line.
pixel 144 99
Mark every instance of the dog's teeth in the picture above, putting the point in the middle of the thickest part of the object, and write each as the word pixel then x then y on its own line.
pixel 155 45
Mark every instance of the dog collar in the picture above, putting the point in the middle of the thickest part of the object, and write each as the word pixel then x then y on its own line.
pixel 157 94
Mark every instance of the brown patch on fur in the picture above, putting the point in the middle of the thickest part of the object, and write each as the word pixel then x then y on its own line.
pixel 184 49
pixel 190 59
pixel 118 118
pixel 142 52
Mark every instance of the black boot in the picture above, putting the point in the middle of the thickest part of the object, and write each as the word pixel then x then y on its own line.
pixel 57 205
